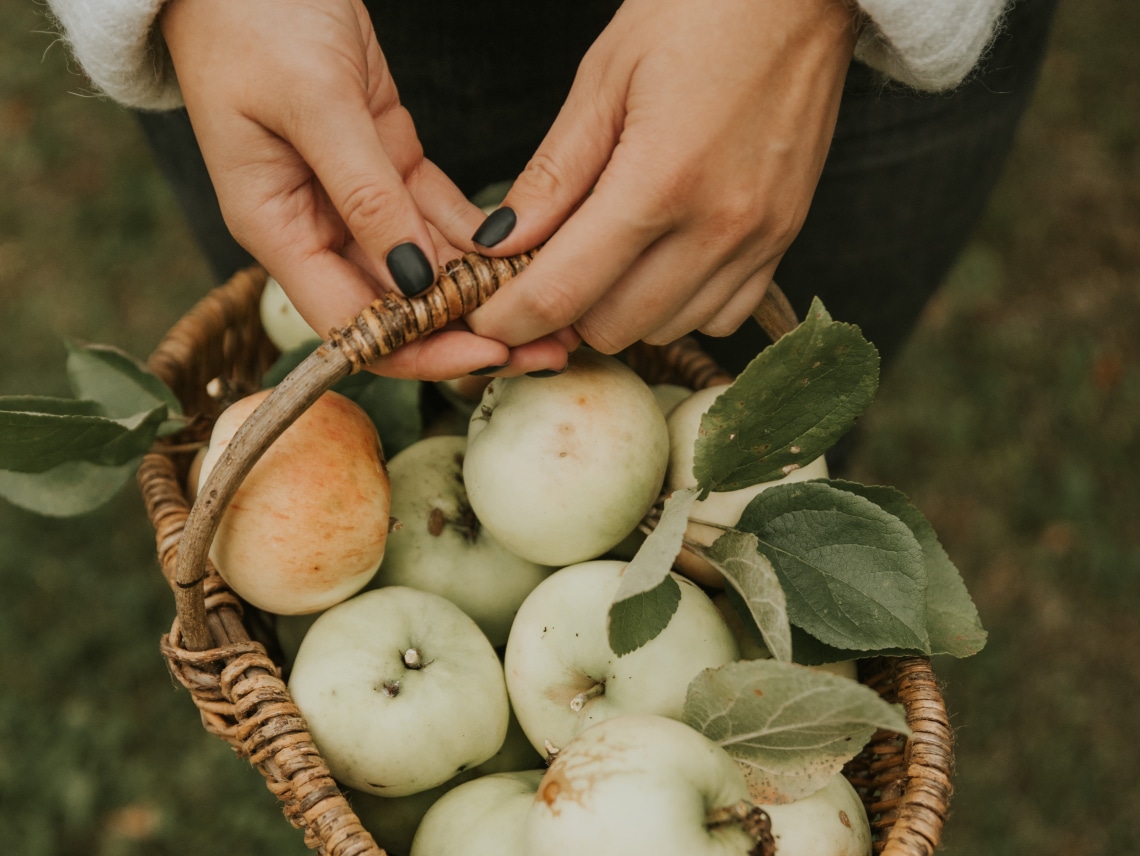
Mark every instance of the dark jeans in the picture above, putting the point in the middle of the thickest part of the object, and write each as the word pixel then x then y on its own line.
pixel 907 177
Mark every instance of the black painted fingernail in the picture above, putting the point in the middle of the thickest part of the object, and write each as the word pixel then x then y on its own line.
pixel 495 228
pixel 490 369
pixel 410 268
pixel 546 372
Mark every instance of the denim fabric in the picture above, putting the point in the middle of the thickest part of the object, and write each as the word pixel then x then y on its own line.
pixel 905 182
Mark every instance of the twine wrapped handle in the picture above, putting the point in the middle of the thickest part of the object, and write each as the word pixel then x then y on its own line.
pixel 387 324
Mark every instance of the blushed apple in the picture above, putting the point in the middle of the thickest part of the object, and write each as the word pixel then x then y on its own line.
pixel 441 546
pixel 563 676
pixel 401 691
pixel 639 784
pixel 308 524
pixel 560 469
pixel 720 508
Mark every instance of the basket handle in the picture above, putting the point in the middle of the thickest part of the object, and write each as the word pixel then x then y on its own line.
pixel 387 324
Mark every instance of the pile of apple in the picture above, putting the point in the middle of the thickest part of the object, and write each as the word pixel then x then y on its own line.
pixel 445 614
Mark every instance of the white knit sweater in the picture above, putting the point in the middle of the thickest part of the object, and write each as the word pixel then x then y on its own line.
pixel 927 44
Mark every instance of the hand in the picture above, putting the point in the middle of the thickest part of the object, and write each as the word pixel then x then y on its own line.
pixel 319 171
pixel 677 173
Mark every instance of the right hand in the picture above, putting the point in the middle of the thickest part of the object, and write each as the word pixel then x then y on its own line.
pixel 319 172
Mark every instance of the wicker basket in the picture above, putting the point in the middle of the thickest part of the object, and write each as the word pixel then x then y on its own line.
pixel 218 351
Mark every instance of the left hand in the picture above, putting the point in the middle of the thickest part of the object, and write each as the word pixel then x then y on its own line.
pixel 678 172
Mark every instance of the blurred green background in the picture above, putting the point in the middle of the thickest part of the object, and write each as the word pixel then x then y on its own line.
pixel 1013 421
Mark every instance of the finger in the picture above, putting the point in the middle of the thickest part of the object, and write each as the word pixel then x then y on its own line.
pixel 721 304
pixel 346 154
pixel 740 307
pixel 443 355
pixel 563 170
pixel 588 254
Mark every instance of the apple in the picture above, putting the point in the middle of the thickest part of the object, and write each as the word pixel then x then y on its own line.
pixel 401 691
pixel 562 675
pixel 280 319
pixel 307 526
pixel 669 395
pixel 724 507
pixel 440 546
pixel 830 822
pixel 482 817
pixel 639 784
pixel 560 469
pixel 393 821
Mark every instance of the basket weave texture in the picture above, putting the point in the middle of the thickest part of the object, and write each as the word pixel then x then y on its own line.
pixel 218 352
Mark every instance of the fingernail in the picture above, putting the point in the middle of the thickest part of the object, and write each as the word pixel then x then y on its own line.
pixel 410 268
pixel 489 370
pixel 495 228
pixel 546 372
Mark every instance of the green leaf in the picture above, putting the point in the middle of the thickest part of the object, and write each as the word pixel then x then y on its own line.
pixel 638 619
pixel 648 596
pixel 790 727
pixel 118 382
pixel 67 490
pixel 788 406
pixel 393 405
pixel 853 574
pixel 750 575
pixel 39 434
pixel 952 619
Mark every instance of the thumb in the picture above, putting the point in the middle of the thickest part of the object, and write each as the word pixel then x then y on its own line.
pixel 561 173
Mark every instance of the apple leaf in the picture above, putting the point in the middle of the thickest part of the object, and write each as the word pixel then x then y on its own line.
pixel 39 433
pixel 791 728
pixel 648 596
pixel 853 573
pixel 67 490
pixel 788 406
pixel 952 619
pixel 393 404
pixel 750 575
pixel 117 381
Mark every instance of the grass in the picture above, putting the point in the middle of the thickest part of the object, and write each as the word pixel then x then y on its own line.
pixel 1012 422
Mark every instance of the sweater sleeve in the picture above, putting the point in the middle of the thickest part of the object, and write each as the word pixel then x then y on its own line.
pixel 119 47
pixel 926 44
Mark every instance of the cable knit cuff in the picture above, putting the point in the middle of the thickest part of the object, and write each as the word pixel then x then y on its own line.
pixel 118 44
pixel 924 44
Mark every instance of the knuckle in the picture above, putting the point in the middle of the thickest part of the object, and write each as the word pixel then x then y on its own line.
pixel 600 335
pixel 542 176
pixel 366 204
pixel 552 304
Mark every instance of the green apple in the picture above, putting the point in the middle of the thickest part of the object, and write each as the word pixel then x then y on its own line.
pixel 638 785
pixel 440 546
pixel 401 691
pixel 393 821
pixel 562 675
pixel 830 822
pixel 560 469
pixel 482 817
pixel 307 526
pixel 719 508
pixel 280 319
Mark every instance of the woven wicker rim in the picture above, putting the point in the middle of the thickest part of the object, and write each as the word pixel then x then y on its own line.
pixel 219 346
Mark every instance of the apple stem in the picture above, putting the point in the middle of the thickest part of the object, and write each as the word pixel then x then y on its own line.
pixel 579 701
pixel 752 819
pixel 412 659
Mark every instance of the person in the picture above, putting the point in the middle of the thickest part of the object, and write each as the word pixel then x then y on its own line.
pixel 672 157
